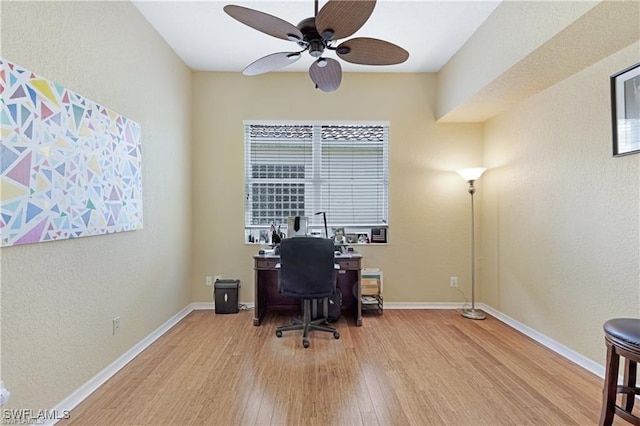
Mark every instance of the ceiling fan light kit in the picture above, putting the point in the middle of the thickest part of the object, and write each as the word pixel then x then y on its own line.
pixel 336 20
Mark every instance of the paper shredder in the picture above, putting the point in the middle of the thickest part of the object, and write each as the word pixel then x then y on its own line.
pixel 226 296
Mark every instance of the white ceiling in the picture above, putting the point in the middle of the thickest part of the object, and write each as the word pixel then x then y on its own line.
pixel 207 39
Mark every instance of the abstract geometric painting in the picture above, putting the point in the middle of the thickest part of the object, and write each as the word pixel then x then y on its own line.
pixel 69 167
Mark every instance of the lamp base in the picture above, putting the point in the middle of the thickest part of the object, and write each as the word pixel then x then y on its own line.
pixel 475 314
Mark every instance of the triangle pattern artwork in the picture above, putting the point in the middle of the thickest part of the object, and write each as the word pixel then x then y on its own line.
pixel 69 168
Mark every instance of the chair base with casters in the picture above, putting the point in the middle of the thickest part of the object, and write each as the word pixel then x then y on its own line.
pixel 622 337
pixel 307 325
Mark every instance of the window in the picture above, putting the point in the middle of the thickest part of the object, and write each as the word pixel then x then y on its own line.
pixel 301 169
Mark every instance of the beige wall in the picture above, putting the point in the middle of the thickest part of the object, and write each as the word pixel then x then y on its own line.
pixel 59 298
pixel 526 47
pixel 429 210
pixel 528 24
pixel 561 247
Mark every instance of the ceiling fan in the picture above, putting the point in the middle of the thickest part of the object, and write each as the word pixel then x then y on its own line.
pixel 336 20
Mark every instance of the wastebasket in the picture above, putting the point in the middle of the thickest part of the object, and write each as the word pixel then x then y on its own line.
pixel 226 296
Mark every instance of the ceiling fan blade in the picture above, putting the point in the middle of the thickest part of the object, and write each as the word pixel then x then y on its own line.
pixel 371 51
pixel 343 17
pixel 328 77
pixel 271 62
pixel 264 22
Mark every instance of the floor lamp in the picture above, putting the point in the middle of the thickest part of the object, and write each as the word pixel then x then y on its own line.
pixel 471 175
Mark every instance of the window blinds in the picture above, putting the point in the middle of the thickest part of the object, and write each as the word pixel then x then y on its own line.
pixel 301 169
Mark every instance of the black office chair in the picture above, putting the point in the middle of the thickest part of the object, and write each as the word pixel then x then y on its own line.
pixel 307 272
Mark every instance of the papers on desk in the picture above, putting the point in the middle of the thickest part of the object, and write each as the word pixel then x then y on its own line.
pixel 341 255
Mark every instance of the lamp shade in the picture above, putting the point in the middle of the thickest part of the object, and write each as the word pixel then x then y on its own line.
pixel 472 173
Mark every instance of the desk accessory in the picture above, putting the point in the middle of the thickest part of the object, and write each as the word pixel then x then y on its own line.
pixel 297 226
pixel 471 175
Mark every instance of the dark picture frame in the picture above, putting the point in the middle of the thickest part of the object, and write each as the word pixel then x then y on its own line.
pixel 625 111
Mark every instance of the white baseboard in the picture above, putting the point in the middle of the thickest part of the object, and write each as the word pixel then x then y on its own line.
pixel 560 349
pixel 203 306
pixel 96 381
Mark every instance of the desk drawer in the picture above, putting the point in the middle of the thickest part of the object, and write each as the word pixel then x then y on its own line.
pixel 349 264
pixel 266 263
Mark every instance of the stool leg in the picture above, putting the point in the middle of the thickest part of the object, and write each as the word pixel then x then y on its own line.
pixel 610 386
pixel 630 371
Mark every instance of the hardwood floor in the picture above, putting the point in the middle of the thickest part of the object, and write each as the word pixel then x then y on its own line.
pixel 407 367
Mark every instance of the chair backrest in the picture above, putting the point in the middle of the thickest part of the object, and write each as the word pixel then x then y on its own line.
pixel 307 267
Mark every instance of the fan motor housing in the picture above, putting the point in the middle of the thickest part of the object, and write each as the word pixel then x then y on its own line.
pixel 308 29
pixel 311 37
pixel 316 48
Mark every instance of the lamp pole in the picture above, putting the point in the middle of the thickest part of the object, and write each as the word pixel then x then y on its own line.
pixel 324 216
pixel 471 175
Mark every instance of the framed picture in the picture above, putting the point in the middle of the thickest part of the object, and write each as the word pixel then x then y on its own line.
pixel 378 235
pixel 625 111
pixel 339 235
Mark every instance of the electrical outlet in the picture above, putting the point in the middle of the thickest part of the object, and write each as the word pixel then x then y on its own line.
pixel 217 277
pixel 116 325
pixel 453 281
pixel 208 280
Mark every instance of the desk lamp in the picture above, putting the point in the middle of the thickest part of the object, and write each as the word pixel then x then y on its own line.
pixel 324 216
pixel 471 175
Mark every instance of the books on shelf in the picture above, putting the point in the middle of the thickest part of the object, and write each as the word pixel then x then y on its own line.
pixel 370 286
pixel 371 281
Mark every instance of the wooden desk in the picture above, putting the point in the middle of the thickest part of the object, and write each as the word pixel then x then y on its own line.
pixel 268 298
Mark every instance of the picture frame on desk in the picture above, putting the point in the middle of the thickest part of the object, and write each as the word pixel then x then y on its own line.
pixel 363 238
pixel 339 235
pixel 625 111
pixel 379 235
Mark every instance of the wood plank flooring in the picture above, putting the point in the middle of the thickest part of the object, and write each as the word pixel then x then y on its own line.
pixel 406 367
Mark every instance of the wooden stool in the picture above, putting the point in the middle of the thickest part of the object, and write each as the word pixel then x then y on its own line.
pixel 622 337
